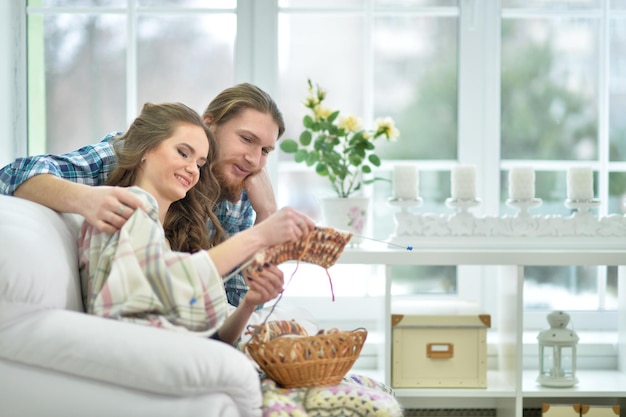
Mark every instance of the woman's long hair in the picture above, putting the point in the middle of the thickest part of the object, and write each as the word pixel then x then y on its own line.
pixel 186 220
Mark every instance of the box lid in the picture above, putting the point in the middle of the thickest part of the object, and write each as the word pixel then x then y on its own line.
pixel 431 320
pixel 420 313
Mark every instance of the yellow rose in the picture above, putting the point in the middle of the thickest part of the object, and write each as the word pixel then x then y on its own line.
pixel 322 112
pixel 311 102
pixel 350 123
pixel 387 127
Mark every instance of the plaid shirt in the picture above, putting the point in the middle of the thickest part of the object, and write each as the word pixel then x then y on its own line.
pixel 133 276
pixel 91 165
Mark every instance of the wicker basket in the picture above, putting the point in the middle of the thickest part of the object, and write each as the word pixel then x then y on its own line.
pixel 308 361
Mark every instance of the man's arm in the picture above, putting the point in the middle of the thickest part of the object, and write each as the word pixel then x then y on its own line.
pixel 261 195
pixel 62 182
pixel 106 208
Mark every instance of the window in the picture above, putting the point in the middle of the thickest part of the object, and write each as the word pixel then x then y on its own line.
pixel 538 83
pixel 93 64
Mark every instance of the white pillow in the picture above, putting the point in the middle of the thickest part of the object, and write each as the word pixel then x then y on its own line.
pixel 38 259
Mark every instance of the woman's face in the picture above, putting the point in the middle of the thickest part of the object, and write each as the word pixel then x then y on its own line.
pixel 172 168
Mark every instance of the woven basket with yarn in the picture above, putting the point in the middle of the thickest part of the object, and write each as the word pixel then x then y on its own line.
pixel 307 361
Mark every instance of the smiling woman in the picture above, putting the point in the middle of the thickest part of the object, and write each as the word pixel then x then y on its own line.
pixel 165 159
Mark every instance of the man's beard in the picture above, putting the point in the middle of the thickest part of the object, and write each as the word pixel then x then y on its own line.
pixel 229 190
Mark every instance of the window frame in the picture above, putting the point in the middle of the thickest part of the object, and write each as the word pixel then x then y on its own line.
pixel 479 96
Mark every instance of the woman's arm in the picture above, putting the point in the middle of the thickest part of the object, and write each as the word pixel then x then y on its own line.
pixel 264 286
pixel 286 225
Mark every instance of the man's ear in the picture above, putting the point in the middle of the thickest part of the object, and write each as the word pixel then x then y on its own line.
pixel 208 119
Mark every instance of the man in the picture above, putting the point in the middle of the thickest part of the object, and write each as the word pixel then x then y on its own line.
pixel 246 123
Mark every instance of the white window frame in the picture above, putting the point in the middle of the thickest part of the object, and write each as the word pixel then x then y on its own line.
pixel 257 62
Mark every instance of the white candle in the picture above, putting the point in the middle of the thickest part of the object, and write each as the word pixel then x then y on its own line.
pixel 463 182
pixel 580 183
pixel 405 182
pixel 522 183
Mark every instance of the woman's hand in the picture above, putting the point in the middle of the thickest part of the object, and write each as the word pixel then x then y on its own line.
pixel 264 285
pixel 286 225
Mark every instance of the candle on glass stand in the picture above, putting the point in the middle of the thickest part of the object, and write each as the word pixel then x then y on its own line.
pixel 463 188
pixel 405 182
pixel 463 182
pixel 522 190
pixel 580 189
pixel 522 183
pixel 580 184
pixel 405 189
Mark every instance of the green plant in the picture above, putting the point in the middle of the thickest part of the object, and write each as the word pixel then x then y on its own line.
pixel 338 146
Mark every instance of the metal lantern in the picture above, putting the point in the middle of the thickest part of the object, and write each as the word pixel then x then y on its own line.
pixel 557 352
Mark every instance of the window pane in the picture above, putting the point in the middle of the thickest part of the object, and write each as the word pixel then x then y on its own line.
pixel 77 3
pixel 85 87
pixel 611 288
pixel 549 89
pixel 415 62
pixel 420 3
pixel 425 280
pixel 320 4
pixel 185 58
pixel 308 280
pixel 561 288
pixel 221 4
pixel 306 52
pixel 617 192
pixel 617 93
pixel 550 187
pixel 551 4
pixel 618 4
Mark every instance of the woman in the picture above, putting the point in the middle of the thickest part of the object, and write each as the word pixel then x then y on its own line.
pixel 172 278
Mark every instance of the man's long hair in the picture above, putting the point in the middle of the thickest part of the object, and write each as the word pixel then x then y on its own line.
pixel 230 102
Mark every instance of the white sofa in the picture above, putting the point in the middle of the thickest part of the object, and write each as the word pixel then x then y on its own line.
pixel 57 361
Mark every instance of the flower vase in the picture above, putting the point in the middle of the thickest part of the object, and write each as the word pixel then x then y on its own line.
pixel 349 214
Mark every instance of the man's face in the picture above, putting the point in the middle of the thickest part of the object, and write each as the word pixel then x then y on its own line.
pixel 244 143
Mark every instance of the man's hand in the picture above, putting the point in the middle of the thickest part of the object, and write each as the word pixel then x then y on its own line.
pixel 107 208
pixel 261 194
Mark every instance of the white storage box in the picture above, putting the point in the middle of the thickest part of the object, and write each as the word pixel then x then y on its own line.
pixel 439 350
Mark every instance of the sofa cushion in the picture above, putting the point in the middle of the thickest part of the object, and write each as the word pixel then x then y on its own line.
pixel 38 259
pixel 137 357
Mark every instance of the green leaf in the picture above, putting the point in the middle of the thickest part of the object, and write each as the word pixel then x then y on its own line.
pixel 321 169
pixel 300 155
pixel 374 159
pixel 333 116
pixel 305 138
pixel 355 160
pixel 307 121
pixel 359 150
pixel 312 158
pixel 289 145
pixel 366 169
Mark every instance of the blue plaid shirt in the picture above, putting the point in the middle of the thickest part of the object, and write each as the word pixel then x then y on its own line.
pixel 91 165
